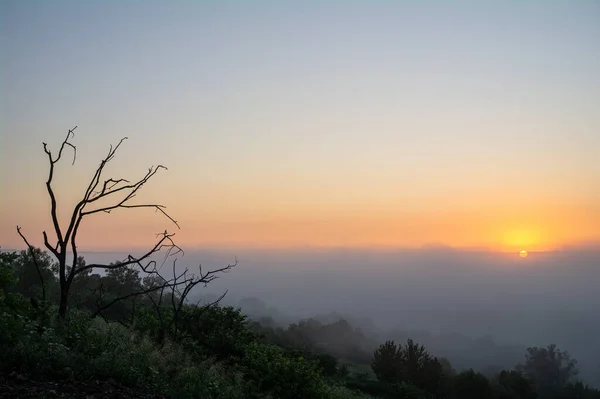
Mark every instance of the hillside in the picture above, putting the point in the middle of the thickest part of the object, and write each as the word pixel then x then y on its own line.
pixel 147 346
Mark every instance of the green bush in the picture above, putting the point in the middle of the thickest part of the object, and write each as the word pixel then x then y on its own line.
pixel 267 369
pixel 83 348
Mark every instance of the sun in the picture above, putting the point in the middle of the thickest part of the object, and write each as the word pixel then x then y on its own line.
pixel 523 254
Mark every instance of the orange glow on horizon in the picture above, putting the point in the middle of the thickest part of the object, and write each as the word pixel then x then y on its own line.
pixel 257 220
pixel 417 231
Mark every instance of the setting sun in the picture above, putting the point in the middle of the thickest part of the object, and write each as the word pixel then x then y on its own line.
pixel 523 254
pixel 516 239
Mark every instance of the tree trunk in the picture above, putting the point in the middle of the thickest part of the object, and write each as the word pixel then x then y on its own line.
pixel 64 297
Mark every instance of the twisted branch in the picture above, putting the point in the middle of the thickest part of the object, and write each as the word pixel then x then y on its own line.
pixel 35 262
pixel 118 192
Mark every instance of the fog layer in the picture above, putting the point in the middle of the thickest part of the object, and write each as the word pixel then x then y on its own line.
pixel 551 297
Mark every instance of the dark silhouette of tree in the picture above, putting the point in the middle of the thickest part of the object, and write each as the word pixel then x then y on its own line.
pixel 7 273
pixel 516 385
pixel 419 367
pixel 471 385
pixel 219 332
pixel 33 269
pixel 84 285
pixel 33 260
pixel 104 195
pixel 577 390
pixel 447 368
pixel 387 361
pixel 328 364
pixel 411 364
pixel 176 297
pixel 549 368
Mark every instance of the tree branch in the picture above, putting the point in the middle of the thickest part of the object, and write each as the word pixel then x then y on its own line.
pixel 165 242
pixel 51 162
pixel 37 266
pixel 117 193
pixel 145 291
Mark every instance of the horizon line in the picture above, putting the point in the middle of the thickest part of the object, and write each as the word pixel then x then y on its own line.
pixel 587 247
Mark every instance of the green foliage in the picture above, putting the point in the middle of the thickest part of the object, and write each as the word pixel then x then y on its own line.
pixel 327 363
pixel 19 274
pixel 215 331
pixel 83 348
pixel 7 275
pixel 269 370
pixel 10 300
pixel 118 283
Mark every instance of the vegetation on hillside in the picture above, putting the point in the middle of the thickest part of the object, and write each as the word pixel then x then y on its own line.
pixel 216 352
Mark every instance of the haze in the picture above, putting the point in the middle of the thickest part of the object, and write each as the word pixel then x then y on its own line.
pixel 386 160
pixel 546 298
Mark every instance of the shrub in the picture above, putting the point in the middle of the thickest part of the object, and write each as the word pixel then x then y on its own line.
pixel 267 369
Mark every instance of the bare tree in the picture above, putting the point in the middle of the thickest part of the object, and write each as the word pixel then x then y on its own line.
pixel 113 194
pixel 180 286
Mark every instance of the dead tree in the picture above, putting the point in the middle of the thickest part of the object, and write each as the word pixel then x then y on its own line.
pixel 113 194
pixel 179 296
pixel 179 287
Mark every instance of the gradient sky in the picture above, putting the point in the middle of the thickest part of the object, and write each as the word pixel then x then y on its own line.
pixel 359 123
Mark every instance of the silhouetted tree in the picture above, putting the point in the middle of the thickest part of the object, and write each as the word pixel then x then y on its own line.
pixel 328 364
pixel 419 367
pixel 7 272
pixel 103 196
pixel 516 385
pixel 411 364
pixel 447 368
pixel 549 368
pixel 84 285
pixel 387 361
pixel 33 269
pixel 471 385
pixel 221 332
pixel 576 390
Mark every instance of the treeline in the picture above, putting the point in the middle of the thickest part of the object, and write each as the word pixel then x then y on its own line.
pixel 481 353
pixel 162 346
pixel 544 372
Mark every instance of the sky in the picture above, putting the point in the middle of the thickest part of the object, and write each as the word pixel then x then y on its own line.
pixel 309 124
